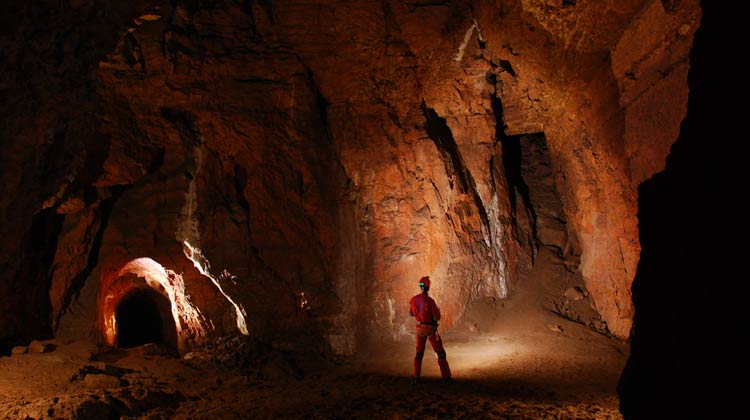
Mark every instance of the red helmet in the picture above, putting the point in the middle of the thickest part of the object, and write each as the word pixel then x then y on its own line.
pixel 424 282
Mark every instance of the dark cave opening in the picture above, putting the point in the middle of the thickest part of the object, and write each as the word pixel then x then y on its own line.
pixel 540 226
pixel 536 185
pixel 145 316
pixel 513 162
pixel 537 211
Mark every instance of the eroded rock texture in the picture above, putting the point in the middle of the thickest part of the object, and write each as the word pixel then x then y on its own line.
pixel 323 156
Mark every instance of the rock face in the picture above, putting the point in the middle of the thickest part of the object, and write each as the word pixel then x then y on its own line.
pixel 289 170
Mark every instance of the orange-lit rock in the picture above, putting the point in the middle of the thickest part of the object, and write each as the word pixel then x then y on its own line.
pixel 324 157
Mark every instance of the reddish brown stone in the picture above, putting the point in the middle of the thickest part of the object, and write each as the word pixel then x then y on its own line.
pixel 325 158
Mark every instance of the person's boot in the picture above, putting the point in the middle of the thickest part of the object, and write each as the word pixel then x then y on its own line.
pixel 445 370
pixel 417 370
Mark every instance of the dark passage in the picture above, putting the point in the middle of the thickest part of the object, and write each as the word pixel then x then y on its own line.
pixel 512 161
pixel 535 182
pixel 536 208
pixel 144 317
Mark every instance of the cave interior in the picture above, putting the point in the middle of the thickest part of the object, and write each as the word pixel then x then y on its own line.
pixel 206 204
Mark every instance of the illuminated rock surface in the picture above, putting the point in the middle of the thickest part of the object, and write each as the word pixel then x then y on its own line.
pixel 330 155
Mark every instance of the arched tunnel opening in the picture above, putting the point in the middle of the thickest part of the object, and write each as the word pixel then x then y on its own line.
pixel 144 316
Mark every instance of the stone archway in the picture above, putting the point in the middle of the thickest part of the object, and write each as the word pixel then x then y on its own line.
pixel 152 302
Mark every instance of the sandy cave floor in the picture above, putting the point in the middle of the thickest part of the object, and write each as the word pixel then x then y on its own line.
pixel 515 360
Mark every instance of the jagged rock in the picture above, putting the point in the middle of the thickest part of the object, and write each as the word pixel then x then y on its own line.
pixel 198 359
pixel 95 409
pixel 101 381
pixel 19 350
pixel 97 366
pixel 599 325
pixel 42 347
pixel 105 404
pixel 139 401
pixel 574 294
pixel 102 368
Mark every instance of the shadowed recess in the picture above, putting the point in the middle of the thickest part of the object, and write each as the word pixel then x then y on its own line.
pixel 144 316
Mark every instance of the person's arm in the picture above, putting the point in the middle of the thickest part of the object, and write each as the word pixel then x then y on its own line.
pixel 411 307
pixel 435 311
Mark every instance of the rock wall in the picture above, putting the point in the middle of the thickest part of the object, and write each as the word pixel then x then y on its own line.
pixel 322 157
pixel 49 146
pixel 587 89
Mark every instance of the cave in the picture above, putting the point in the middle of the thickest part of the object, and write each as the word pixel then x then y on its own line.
pixel 259 186
pixel 143 317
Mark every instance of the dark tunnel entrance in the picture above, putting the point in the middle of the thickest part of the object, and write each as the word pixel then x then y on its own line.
pixel 537 211
pixel 145 316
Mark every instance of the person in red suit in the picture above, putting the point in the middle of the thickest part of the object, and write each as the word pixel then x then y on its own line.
pixel 424 309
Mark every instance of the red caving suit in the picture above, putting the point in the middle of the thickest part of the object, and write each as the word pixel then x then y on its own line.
pixel 425 310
